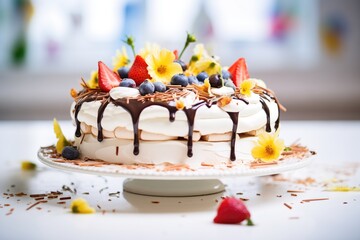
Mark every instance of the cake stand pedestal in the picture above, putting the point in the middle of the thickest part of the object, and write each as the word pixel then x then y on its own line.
pixel 173 188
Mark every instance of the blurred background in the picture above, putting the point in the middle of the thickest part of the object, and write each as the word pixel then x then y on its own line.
pixel 307 51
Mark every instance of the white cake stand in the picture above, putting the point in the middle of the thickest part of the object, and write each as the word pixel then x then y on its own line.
pixel 153 182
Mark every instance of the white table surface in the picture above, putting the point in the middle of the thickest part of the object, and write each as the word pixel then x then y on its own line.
pixel 137 217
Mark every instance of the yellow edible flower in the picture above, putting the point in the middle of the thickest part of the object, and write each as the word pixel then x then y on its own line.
pixel 121 59
pixel 206 87
pixel 80 205
pixel 246 86
pixel 199 53
pixel 62 141
pixel 208 65
pixel 150 49
pixel 94 81
pixel 27 165
pixel 161 66
pixel 268 147
pixel 180 104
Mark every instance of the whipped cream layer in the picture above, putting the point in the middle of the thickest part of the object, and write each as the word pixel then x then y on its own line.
pixel 208 120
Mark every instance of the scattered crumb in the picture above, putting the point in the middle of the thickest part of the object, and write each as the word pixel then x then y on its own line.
pixel 288 206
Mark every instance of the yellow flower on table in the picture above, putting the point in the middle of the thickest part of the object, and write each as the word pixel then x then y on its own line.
pixel 121 59
pixel 246 86
pixel 268 147
pixel 161 66
pixel 80 205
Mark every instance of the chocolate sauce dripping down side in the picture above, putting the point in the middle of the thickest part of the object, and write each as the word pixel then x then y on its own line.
pixel 190 114
pixel 235 119
pixel 77 108
pixel 134 108
pixel 266 95
pixel 99 118
pixel 267 112
pixel 277 122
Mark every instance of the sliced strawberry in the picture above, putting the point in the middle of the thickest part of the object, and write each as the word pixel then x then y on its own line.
pixel 239 71
pixel 107 78
pixel 232 211
pixel 138 70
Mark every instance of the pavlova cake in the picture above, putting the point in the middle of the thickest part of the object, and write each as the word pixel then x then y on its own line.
pixel 159 109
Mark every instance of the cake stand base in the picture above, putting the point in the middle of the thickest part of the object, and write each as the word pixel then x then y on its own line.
pixel 173 188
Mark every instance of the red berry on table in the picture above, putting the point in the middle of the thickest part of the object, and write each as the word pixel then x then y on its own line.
pixel 232 211
pixel 239 71
pixel 138 70
pixel 107 78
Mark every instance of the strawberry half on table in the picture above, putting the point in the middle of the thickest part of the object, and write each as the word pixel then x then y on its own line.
pixel 138 71
pixel 232 211
pixel 108 79
pixel 239 71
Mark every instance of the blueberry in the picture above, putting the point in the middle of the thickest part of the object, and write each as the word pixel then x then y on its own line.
pixel 225 74
pixel 146 87
pixel 127 82
pixel 159 87
pixel 123 72
pixel 179 79
pixel 202 76
pixel 229 83
pixel 182 64
pixel 216 81
pixel 70 152
pixel 193 80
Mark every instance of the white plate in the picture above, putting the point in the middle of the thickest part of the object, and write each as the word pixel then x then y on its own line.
pixel 239 170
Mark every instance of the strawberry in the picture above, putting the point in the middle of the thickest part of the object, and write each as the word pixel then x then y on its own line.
pixel 232 211
pixel 138 70
pixel 107 78
pixel 239 71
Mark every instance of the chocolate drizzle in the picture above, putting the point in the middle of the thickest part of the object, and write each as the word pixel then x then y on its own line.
pixel 235 119
pixel 135 107
pixel 99 118
pixel 267 112
pixel 79 103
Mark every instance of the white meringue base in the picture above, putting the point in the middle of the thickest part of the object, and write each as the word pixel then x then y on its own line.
pixel 160 152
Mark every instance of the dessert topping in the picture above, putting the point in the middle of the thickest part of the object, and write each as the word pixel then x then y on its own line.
pixel 107 78
pixel 179 79
pixel 146 87
pixel 138 70
pixel 239 71
pixel 161 66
